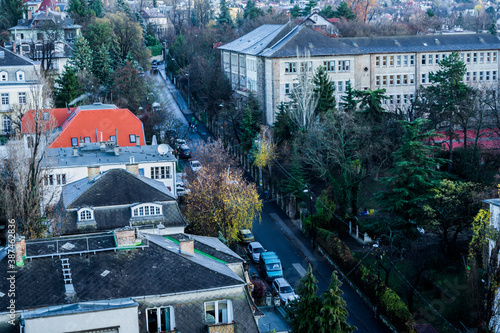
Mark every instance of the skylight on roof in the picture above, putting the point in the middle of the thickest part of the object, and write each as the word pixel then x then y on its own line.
pixel 68 246
pixel 106 272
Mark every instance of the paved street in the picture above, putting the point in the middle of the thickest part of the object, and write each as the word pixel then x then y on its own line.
pixel 278 233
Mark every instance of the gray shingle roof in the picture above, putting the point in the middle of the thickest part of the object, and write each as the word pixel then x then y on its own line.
pixel 114 187
pixel 255 41
pixel 11 59
pixel 133 273
pixel 303 38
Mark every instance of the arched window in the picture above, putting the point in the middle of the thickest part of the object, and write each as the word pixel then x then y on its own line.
pixel 4 76
pixel 20 76
pixel 148 209
pixel 85 214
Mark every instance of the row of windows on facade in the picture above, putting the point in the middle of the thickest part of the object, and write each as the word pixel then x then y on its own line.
pixel 87 214
pixel 4 76
pixel 162 319
pixel 398 99
pixel 405 79
pixel 433 59
pixel 306 66
pixel 87 139
pixel 21 98
pixel 338 86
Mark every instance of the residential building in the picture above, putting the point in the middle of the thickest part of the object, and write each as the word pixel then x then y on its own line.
pixel 160 22
pixel 45 36
pixel 268 61
pixel 125 281
pixel 114 199
pixel 88 124
pixel 19 82
pixel 67 165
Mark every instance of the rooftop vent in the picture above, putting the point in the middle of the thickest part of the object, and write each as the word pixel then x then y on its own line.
pixel 355 44
pixel 437 41
pixel 425 44
pixel 397 43
pixel 481 39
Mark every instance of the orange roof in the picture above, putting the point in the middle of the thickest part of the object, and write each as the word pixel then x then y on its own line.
pixel 98 124
pixel 56 118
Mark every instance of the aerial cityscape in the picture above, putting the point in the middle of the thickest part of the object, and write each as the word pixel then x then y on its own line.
pixel 230 166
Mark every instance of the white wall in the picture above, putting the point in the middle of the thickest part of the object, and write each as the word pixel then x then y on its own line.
pixel 126 319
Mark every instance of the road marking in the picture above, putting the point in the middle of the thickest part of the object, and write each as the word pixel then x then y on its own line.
pixel 299 269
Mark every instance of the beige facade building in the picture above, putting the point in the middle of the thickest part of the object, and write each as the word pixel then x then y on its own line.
pixel 268 61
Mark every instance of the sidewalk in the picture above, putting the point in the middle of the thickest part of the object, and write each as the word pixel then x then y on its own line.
pixel 202 131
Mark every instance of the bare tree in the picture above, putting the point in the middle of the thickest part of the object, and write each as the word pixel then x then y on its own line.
pixel 43 48
pixel 304 97
pixel 23 169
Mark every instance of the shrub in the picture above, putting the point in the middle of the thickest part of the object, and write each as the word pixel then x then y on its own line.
pixel 259 289
pixel 155 50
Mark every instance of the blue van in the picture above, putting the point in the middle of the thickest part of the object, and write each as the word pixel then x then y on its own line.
pixel 270 266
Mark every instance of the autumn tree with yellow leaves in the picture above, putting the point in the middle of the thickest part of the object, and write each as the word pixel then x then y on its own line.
pixel 220 200
pixel 362 8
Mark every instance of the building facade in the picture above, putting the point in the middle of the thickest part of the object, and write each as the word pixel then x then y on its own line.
pixel 19 84
pixel 269 60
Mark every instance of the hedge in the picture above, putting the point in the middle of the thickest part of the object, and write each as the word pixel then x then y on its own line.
pixel 389 303
pixel 155 50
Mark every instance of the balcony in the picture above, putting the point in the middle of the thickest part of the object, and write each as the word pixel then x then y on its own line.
pixel 221 328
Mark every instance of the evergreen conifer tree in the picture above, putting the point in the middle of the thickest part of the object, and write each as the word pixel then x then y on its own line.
pixel 252 11
pixel 102 65
pixel 333 313
pixel 324 90
pixel 97 7
pixel 81 59
pixel 304 312
pixel 67 87
pixel 349 101
pixel 224 18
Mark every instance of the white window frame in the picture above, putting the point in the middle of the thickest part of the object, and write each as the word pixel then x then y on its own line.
pixel 158 318
pixel 7 123
pixel 160 172
pixel 405 60
pixel 424 57
pixel 20 76
pixel 86 213
pixel 145 210
pixel 290 67
pixel 377 61
pixel 344 65
pixel 412 60
pixel 21 97
pixel 4 76
pixel 5 98
pixel 398 60
pixel 329 65
pixel 230 317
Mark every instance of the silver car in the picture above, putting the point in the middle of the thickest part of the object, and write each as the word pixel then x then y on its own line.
pixel 255 249
pixel 284 290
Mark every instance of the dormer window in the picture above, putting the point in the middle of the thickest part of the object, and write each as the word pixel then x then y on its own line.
pixel 85 214
pixel 4 76
pixel 148 209
pixel 20 75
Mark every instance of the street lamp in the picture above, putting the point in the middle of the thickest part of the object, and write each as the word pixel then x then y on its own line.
pixel 189 88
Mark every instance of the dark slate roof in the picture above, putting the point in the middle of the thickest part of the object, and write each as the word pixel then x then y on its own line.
pixel 65 245
pixel 132 273
pixel 110 218
pixel 303 38
pixel 114 187
pixel 212 246
pixel 257 40
pixel 13 60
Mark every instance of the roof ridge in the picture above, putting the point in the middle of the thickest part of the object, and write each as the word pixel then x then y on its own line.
pixel 286 35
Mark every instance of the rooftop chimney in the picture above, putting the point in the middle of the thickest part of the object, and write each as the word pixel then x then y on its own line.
pixel 117 150
pixel 124 237
pixel 93 171
pixel 30 15
pixel 102 146
pixel 137 140
pixel 20 248
pixel 75 150
pixel 132 168
pixel 186 246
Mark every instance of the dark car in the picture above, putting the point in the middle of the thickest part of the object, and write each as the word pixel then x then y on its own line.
pixel 154 69
pixel 184 151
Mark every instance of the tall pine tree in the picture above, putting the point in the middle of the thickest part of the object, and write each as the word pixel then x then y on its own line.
pixel 304 313
pixel 224 18
pixel 324 90
pixel 81 59
pixel 67 87
pixel 333 313
pixel 102 65
pixel 349 101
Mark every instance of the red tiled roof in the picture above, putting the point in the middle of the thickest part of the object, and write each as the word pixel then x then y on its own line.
pixel 56 119
pixel 333 20
pixel 488 139
pixel 101 123
pixel 47 4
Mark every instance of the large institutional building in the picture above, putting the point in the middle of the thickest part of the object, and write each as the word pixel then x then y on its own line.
pixel 268 61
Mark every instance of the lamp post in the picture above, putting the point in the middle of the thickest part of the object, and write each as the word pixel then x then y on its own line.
pixel 313 224
pixel 189 89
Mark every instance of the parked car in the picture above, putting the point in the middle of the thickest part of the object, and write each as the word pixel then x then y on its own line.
pixel 270 266
pixel 184 151
pixel 154 69
pixel 255 249
pixel 195 165
pixel 284 290
pixel 246 236
pixel 179 143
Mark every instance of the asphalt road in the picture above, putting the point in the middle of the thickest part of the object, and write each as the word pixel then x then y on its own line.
pixel 277 233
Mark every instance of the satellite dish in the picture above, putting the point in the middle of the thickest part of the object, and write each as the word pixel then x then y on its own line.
pixel 163 149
